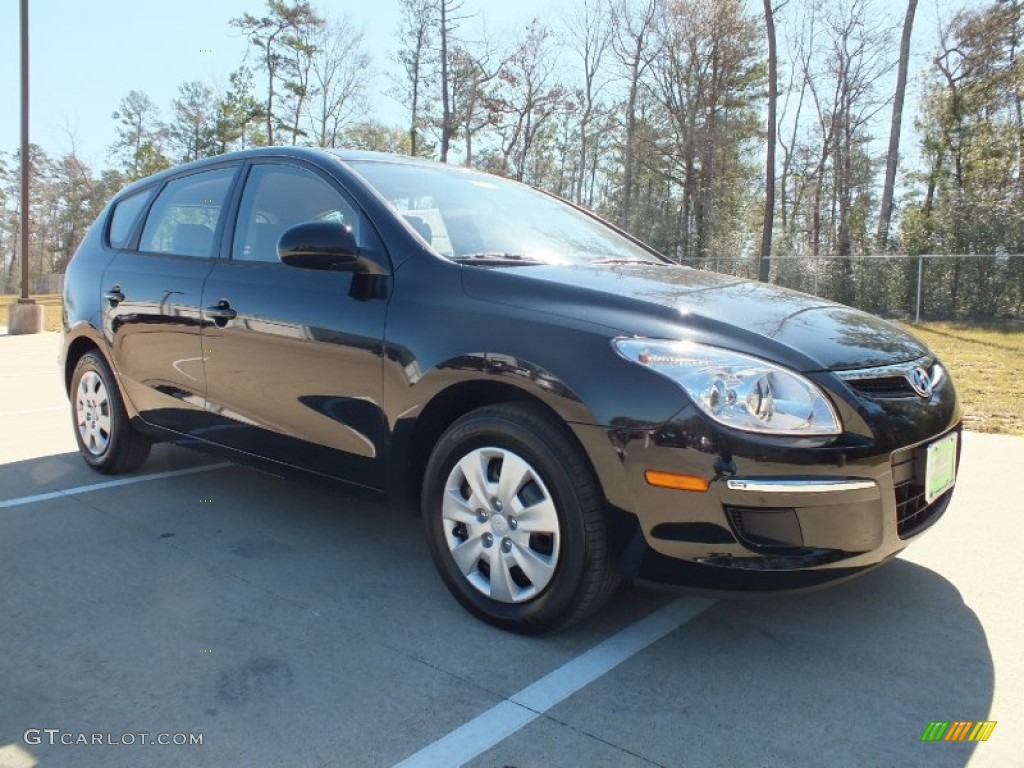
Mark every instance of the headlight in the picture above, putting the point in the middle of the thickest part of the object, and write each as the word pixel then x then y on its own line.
pixel 737 390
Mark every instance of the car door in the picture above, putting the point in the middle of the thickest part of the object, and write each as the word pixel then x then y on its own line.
pixel 152 289
pixel 293 365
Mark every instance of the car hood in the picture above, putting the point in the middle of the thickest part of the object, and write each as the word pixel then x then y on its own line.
pixel 792 328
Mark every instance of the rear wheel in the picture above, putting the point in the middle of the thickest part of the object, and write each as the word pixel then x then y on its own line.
pixel 515 520
pixel 106 439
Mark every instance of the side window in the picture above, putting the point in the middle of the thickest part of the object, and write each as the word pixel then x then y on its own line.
pixel 278 197
pixel 184 217
pixel 126 213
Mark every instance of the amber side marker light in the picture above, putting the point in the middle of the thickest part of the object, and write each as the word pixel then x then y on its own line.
pixel 676 482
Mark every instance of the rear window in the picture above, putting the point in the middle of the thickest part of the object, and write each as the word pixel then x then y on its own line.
pixel 125 215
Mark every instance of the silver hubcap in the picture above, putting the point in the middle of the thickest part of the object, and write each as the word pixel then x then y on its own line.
pixel 501 525
pixel 92 412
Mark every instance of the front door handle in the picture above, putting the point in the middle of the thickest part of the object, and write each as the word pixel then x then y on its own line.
pixel 114 296
pixel 221 312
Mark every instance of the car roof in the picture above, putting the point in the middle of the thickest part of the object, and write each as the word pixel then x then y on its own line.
pixel 306 153
pixel 350 155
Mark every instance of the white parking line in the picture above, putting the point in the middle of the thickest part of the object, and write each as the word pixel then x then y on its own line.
pixel 109 484
pixel 34 410
pixel 484 731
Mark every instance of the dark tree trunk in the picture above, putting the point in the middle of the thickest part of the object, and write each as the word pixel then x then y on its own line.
pixel 885 215
pixel 415 99
pixel 271 69
pixel 769 165
pixel 446 113
pixel 628 159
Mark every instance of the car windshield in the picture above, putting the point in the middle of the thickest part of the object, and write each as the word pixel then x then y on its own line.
pixel 475 218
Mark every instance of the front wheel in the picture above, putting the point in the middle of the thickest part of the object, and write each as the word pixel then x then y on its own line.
pixel 515 520
pixel 106 439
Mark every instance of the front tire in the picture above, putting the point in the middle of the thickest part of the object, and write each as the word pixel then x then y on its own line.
pixel 106 439
pixel 515 520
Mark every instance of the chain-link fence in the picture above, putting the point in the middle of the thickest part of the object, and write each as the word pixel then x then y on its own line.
pixel 37 284
pixel 931 287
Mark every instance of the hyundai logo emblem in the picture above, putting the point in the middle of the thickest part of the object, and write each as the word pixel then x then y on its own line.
pixel 920 381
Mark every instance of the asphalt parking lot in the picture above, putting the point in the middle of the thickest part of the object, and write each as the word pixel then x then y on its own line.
pixel 291 626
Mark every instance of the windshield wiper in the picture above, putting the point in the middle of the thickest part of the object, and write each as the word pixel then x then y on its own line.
pixel 497 259
pixel 624 261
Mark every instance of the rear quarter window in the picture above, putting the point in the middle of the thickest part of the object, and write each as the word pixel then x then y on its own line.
pixel 124 217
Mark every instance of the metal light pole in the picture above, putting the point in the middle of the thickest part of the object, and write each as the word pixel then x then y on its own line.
pixel 25 165
pixel 26 316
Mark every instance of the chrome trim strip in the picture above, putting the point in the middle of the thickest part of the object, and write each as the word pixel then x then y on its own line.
pixel 791 485
pixel 886 371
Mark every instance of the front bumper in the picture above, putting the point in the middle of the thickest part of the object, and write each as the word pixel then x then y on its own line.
pixel 771 519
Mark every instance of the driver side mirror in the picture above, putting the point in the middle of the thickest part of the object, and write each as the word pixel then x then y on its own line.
pixel 320 245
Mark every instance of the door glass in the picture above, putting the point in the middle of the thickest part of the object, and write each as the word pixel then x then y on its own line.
pixel 276 198
pixel 184 217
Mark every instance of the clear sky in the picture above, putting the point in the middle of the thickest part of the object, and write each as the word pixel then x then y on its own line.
pixel 85 56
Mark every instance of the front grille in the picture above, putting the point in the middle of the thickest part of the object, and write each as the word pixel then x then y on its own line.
pixel 888 386
pixel 891 381
pixel 913 515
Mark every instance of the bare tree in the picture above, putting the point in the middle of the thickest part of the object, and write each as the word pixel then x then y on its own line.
pixel 471 76
pixel 633 48
pixel 843 83
pixel 799 69
pixel 448 20
pixel 339 65
pixel 416 33
pixel 588 33
pixel 300 46
pixel 892 157
pixel 769 165
pixel 528 97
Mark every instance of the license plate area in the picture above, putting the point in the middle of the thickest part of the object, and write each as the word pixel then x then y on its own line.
pixel 940 467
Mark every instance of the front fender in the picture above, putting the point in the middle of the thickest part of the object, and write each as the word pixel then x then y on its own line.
pixel 503 370
pixel 465 382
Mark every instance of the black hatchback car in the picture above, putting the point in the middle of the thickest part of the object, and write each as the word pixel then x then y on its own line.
pixel 561 404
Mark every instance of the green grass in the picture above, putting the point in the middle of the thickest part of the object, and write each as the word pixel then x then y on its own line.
pixel 986 362
pixel 51 309
pixel 987 365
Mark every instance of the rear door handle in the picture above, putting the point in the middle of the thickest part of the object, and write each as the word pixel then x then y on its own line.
pixel 221 312
pixel 114 296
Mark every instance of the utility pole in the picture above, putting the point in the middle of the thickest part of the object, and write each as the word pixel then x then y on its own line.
pixel 26 316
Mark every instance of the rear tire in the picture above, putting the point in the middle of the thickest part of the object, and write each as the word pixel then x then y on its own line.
pixel 515 520
pixel 106 439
